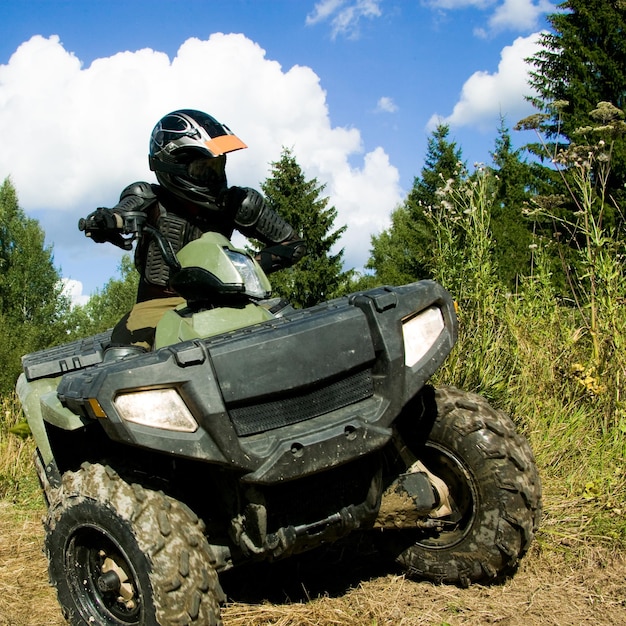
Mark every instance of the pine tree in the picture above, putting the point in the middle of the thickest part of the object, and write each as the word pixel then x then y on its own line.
pixel 581 64
pixel 401 254
pixel 318 276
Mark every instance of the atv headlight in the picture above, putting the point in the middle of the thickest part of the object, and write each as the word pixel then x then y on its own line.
pixel 248 273
pixel 158 408
pixel 420 333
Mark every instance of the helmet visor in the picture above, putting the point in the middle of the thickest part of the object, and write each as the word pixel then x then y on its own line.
pixel 224 143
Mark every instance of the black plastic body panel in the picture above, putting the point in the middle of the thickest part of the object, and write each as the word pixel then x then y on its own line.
pixel 280 357
pixel 290 364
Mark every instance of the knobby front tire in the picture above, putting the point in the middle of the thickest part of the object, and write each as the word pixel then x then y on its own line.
pixel 123 555
pixel 492 477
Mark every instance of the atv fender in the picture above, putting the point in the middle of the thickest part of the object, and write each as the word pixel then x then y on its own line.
pixel 41 404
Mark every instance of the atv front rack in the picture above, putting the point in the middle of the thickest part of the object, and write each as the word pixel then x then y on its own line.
pixel 69 357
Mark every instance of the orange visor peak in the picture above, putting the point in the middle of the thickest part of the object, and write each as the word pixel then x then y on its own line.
pixel 224 143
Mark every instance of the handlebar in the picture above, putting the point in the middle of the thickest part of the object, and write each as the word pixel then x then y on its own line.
pixel 134 224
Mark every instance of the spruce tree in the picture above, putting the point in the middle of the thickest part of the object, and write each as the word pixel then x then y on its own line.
pixel 511 231
pixel 402 253
pixel 443 165
pixel 582 63
pixel 318 276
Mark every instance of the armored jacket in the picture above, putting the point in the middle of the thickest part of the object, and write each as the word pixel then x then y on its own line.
pixel 181 221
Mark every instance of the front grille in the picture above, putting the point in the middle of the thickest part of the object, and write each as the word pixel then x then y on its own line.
pixel 303 405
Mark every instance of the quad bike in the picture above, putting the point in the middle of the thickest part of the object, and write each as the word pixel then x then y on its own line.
pixel 254 431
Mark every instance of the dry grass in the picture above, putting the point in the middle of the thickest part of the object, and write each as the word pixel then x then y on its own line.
pixel 561 582
pixel 571 577
pixel 25 596
pixel 545 591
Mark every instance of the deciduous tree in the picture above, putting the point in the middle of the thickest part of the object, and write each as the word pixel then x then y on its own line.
pixel 32 307
pixel 106 306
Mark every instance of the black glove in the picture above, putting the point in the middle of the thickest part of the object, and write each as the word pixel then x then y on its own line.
pixel 281 256
pixel 104 225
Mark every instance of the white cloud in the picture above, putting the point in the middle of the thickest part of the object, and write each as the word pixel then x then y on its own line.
pixel 515 15
pixel 73 289
pixel 75 136
pixel 521 15
pixel 386 105
pixel 485 97
pixel 323 10
pixel 344 15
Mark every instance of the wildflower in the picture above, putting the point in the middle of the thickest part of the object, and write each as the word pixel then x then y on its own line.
pixel 588 379
pixel 559 105
pixel 606 112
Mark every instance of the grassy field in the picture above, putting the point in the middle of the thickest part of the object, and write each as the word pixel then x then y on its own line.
pixel 569 578
pixel 574 574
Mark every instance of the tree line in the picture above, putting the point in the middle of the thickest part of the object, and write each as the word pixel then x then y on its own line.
pixel 524 198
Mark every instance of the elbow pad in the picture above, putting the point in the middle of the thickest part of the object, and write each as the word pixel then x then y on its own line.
pixel 136 197
pixel 254 218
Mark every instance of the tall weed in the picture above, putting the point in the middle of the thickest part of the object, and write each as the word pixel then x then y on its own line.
pixel 462 249
pixel 555 363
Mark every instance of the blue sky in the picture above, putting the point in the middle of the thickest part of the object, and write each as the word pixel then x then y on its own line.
pixel 353 87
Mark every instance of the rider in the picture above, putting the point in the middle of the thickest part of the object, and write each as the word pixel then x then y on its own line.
pixel 188 155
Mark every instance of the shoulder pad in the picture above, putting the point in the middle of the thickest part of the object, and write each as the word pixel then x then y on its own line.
pixel 141 189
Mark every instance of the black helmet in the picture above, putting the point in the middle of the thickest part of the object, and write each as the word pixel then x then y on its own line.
pixel 188 155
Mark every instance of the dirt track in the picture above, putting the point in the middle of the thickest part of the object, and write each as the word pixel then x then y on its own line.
pixel 557 584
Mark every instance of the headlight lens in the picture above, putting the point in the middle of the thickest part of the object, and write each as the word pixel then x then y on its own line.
pixel 247 271
pixel 158 408
pixel 420 333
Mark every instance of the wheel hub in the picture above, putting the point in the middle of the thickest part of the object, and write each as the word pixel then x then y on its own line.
pixel 115 579
pixel 416 499
pixel 108 581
